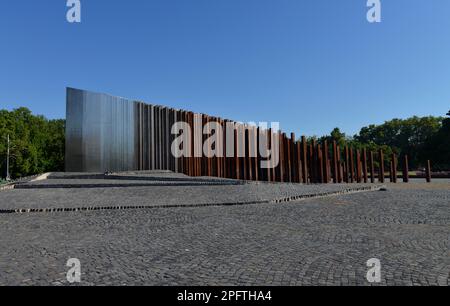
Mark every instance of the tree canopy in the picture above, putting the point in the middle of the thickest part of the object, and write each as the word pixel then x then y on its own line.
pixel 36 144
pixel 421 138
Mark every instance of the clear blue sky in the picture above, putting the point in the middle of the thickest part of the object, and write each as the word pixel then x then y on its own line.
pixel 310 64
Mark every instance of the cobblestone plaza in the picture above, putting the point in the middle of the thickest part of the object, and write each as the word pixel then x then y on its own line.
pixel 323 240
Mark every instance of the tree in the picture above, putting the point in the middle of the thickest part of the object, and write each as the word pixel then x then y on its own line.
pixel 405 137
pixel 37 144
pixel 437 148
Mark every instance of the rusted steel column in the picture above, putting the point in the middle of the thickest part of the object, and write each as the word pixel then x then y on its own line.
pixel 335 163
pixel 320 167
pixel 329 171
pixel 183 158
pixel 293 158
pixel 163 138
pixel 299 169
pixel 288 169
pixel 225 159
pixel 428 171
pixel 339 164
pixel 372 168
pixel 244 147
pixel 311 165
pixel 189 149
pixel 347 166
pixel 236 162
pixel 381 168
pixel 391 171
pixel 291 152
pixel 185 146
pixel 213 159
pixel 220 151
pixel 287 155
pixel 196 159
pixel 360 173
pixel 248 162
pixel 217 149
pixel 276 177
pixel 208 158
pixel 269 170
pixel 227 148
pixel 325 173
pixel 358 166
pixel 286 158
pixel 304 160
pixel 222 148
pixel 294 164
pixel 259 174
pixel 316 163
pixel 187 160
pixel 281 137
pixel 364 164
pixel 245 151
pixel 191 158
pixel 394 168
pixel 204 161
pixel 405 169
pixel 352 166
pixel 253 156
pixel 274 151
pixel 197 136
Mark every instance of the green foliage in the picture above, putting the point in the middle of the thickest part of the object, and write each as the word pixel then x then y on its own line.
pixel 408 136
pixel 422 139
pixel 437 147
pixel 36 144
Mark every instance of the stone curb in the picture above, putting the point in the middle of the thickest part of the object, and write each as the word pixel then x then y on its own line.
pixel 121 185
pixel 13 184
pixel 7 187
pixel 275 201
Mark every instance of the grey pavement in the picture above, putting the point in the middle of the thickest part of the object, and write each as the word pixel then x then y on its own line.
pixel 323 241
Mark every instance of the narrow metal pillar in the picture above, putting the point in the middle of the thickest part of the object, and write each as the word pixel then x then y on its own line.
pixel 352 166
pixel 335 163
pixel 428 171
pixel 372 168
pixel 381 167
pixel 394 167
pixel 304 160
pixel 364 164
pixel 405 169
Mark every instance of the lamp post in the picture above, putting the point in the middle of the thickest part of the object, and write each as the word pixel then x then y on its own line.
pixel 7 160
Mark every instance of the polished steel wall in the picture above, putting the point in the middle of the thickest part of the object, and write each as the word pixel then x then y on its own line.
pixel 107 133
pixel 100 132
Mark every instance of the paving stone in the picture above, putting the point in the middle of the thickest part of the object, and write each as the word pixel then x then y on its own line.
pixel 323 241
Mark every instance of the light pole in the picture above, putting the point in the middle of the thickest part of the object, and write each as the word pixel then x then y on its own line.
pixel 7 161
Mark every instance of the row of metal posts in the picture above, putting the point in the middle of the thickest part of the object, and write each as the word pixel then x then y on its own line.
pixel 298 161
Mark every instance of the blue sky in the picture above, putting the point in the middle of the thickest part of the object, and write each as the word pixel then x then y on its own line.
pixel 310 64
